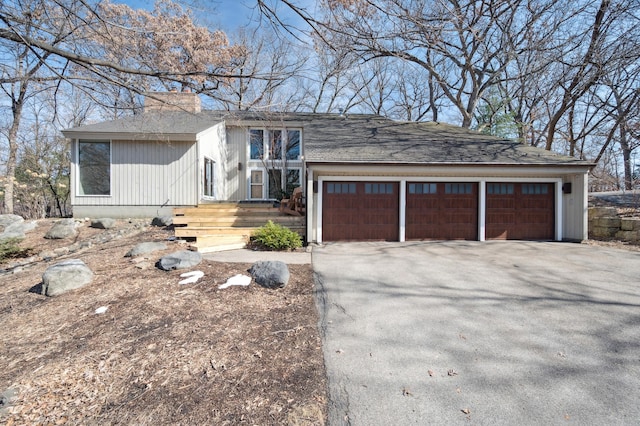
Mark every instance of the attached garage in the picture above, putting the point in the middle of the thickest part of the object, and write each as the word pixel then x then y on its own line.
pixel 361 211
pixel 442 211
pixel 445 183
pixel 520 211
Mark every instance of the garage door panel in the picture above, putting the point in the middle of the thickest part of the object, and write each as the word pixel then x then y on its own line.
pixel 526 212
pixel 362 211
pixel 448 212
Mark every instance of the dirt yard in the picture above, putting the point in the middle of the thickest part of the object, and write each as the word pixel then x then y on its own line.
pixel 162 353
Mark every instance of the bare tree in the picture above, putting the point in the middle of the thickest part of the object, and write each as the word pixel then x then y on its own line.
pixel 102 49
pixel 263 74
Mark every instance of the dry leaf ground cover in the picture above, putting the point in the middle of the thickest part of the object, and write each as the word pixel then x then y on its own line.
pixel 163 353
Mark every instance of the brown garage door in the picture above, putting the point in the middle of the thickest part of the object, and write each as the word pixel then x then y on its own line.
pixel 442 211
pixel 520 211
pixel 360 211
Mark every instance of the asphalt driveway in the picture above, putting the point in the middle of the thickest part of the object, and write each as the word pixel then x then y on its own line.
pixel 493 333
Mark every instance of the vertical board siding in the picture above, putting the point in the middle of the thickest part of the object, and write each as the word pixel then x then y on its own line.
pixel 148 173
pixel 236 154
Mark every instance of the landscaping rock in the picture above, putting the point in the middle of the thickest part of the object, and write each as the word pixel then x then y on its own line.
pixel 8 219
pixel 14 226
pixel 162 221
pixel 180 260
pixel 17 230
pixel 65 276
pixel 103 223
pixel 145 248
pixel 64 228
pixel 270 273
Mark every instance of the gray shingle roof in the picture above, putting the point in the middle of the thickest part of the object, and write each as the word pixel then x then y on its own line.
pixel 379 140
pixel 357 138
pixel 152 123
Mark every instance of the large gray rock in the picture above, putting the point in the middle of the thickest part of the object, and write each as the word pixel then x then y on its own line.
pixel 8 219
pixel 162 221
pixel 270 273
pixel 180 260
pixel 65 276
pixel 17 230
pixel 64 228
pixel 145 248
pixel 103 223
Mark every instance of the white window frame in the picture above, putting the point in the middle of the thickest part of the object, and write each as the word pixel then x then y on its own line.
pixel 213 178
pixel 250 183
pixel 78 169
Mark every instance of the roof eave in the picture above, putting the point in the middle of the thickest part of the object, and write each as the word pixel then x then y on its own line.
pixel 582 164
pixel 168 137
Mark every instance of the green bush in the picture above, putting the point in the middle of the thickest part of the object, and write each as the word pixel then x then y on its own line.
pixel 9 249
pixel 273 236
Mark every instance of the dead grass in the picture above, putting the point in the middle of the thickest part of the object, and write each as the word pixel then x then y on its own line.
pixel 162 353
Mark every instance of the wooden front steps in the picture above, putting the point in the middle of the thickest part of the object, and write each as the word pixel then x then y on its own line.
pixel 227 226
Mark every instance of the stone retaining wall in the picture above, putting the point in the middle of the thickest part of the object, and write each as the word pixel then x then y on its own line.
pixel 605 223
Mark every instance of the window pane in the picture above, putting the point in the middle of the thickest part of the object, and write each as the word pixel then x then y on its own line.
pixel 352 188
pixel 412 188
pixel 293 144
pixel 208 177
pixel 367 188
pixel 389 188
pixel 94 168
pixel 256 144
pixel 293 181
pixel 275 184
pixel 276 144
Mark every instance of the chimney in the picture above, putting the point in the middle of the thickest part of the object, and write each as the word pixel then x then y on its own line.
pixel 172 101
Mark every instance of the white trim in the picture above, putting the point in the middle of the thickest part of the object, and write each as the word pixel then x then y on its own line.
pixel 482 210
pixel 249 183
pixel 213 177
pixel 319 211
pixel 559 210
pixel 309 204
pixel 402 219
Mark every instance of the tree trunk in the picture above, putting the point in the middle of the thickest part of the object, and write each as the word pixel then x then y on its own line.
pixel 626 157
pixel 12 159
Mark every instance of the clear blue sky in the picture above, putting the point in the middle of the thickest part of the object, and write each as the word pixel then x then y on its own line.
pixel 227 15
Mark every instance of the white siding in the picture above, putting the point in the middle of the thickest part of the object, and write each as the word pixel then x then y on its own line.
pixel 574 218
pixel 147 174
pixel 236 158
pixel 213 144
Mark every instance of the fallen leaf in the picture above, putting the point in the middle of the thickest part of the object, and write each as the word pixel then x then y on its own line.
pixel 451 372
pixel 466 410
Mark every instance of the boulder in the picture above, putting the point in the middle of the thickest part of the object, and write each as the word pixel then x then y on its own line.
pixel 8 219
pixel 180 260
pixel 270 273
pixel 162 221
pixel 65 276
pixel 17 229
pixel 64 228
pixel 103 223
pixel 145 248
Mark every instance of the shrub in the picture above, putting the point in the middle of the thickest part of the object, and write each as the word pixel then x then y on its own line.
pixel 273 236
pixel 9 249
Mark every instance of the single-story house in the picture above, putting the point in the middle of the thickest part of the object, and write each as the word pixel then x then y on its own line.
pixel 364 177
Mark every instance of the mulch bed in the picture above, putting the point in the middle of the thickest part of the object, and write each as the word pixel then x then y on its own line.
pixel 162 353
